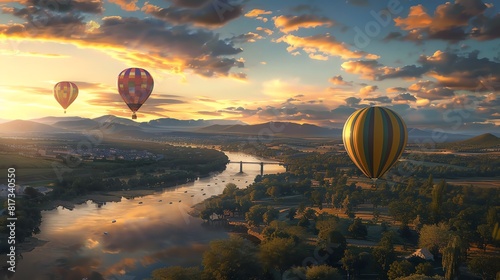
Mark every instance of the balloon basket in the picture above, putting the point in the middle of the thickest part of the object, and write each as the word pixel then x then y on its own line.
pixel 134 116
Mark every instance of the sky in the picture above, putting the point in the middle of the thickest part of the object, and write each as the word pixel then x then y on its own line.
pixel 435 63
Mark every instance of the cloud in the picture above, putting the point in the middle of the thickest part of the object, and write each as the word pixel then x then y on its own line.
pixel 325 45
pixel 430 90
pixel 379 99
pixel 264 30
pixel 451 21
pixel 367 90
pixel 352 101
pixel 190 3
pixel 338 80
pixel 126 5
pixel 368 69
pixel 209 113
pixel 257 12
pixel 288 23
pixel 405 97
pixel 35 8
pixel 143 42
pixel 205 16
pixel 395 89
pixel 249 37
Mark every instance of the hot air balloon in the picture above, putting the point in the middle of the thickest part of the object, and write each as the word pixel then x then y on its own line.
pixel 65 93
pixel 135 85
pixel 374 138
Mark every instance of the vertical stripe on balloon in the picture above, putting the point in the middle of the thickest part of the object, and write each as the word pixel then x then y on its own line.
pixel 374 139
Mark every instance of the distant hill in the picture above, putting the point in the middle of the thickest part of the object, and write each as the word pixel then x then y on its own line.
pixel 286 129
pixel 170 122
pixel 416 135
pixel 53 120
pixel 82 124
pixel 114 119
pixel 483 141
pixel 486 139
pixel 18 127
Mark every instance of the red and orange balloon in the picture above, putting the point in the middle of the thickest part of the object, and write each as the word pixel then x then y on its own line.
pixel 135 86
pixel 65 93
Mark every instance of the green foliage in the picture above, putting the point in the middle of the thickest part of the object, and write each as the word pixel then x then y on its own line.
pixel 280 253
pixel 234 258
pixel 486 266
pixel 424 269
pixel 452 257
pixel 323 272
pixel 357 229
pixel 400 269
pixel 434 237
pixel 177 273
pixel 384 253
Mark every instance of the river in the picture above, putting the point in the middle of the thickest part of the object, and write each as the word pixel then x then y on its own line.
pixel 131 238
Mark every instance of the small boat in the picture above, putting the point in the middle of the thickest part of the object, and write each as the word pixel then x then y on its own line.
pixel 113 221
pixel 192 195
pixel 204 194
pixel 160 200
pixel 170 202
pixel 201 189
pixel 223 181
pixel 180 200
pixel 185 191
pixel 140 202
pixel 105 233
pixel 216 183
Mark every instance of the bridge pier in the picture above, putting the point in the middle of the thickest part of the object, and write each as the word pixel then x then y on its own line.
pixel 241 166
pixel 261 169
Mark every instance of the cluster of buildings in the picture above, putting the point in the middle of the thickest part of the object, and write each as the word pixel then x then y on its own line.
pixel 99 154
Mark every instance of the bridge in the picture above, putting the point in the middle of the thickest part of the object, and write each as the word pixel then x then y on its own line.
pixel 262 163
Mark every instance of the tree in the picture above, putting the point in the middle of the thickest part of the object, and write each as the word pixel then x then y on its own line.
pixel 279 254
pixel 400 269
pixel 353 263
pixel 357 229
pixel 424 269
pixel 234 258
pixel 452 257
pixel 421 277
pixel 384 253
pixel 176 273
pixel 229 189
pixel 323 272
pixel 310 213
pixel 333 244
pixel 270 215
pixel 254 214
pixel 291 213
pixel 485 231
pixel 485 266
pixel 434 237
pixel 437 200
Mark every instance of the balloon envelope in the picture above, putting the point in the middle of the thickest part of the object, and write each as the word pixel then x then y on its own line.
pixel 135 85
pixel 374 139
pixel 65 93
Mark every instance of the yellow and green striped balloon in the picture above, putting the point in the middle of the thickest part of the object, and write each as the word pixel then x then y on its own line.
pixel 374 138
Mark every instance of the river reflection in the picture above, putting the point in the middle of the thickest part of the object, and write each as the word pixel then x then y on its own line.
pixel 86 242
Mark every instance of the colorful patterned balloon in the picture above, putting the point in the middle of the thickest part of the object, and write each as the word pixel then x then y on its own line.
pixel 135 86
pixel 65 93
pixel 374 138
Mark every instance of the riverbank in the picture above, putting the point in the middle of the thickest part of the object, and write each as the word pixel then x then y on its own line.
pixel 98 198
